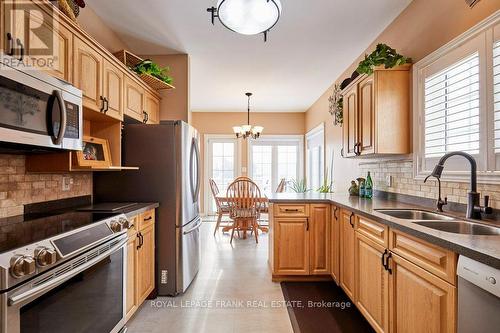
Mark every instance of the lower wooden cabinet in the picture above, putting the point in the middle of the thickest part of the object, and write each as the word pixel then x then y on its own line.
pixel 420 301
pixel 291 246
pixel 335 244
pixel 371 282
pixel 140 262
pixel 347 252
pixel 319 239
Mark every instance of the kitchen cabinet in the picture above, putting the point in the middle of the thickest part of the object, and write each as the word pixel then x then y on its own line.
pixel 335 244
pixel 419 300
pixel 371 282
pixel 134 100
pixel 319 239
pixel 88 66
pixel 347 246
pixel 152 108
pixel 140 261
pixel 301 239
pixel 377 113
pixel 291 243
pixel 113 90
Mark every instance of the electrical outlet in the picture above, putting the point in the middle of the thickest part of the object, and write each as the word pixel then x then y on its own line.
pixel 388 181
pixel 66 183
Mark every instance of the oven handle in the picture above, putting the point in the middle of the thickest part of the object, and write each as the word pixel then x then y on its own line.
pixel 62 278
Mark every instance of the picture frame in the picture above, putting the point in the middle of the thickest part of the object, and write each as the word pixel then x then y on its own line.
pixel 95 153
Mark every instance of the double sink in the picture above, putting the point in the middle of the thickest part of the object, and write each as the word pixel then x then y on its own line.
pixel 441 222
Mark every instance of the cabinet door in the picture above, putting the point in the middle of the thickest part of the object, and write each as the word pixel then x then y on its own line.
pixel 350 126
pixel 347 252
pixel 372 283
pixel 152 108
pixel 420 301
pixel 366 116
pixel 132 268
pixel 88 74
pixel 291 246
pixel 113 90
pixel 146 264
pixel 335 244
pixel 319 239
pixel 134 100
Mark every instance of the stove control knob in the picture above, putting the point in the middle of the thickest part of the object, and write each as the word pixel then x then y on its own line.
pixel 125 223
pixel 45 256
pixel 116 226
pixel 21 265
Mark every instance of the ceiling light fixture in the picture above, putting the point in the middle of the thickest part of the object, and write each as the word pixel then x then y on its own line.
pixel 247 17
pixel 245 131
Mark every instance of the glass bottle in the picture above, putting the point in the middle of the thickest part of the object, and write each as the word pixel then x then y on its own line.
pixel 369 187
pixel 362 189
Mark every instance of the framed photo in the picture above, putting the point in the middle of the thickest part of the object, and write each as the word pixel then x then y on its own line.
pixel 95 153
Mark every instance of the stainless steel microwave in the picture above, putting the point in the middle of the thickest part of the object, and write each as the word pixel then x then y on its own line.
pixel 37 109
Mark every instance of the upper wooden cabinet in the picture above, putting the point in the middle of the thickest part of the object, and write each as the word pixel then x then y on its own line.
pixel 113 90
pixel 134 100
pixel 377 113
pixel 152 108
pixel 88 67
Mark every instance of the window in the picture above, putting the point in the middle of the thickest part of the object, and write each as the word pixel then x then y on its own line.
pixel 221 165
pixel 457 104
pixel 315 141
pixel 272 158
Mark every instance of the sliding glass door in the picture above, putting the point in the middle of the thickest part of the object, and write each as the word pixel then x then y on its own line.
pixel 274 158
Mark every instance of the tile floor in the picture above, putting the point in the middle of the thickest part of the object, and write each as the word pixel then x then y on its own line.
pixel 218 300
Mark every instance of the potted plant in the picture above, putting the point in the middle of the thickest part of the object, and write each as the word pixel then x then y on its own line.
pixel 383 55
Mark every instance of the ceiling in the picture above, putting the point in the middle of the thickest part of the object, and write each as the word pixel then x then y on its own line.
pixel 311 45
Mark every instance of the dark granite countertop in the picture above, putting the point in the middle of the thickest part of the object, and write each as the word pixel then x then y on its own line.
pixel 485 249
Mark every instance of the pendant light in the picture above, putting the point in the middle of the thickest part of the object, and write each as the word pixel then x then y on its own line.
pixel 247 17
pixel 245 131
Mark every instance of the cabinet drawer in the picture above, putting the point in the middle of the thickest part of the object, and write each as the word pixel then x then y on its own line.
pixel 298 210
pixel 146 219
pixel 434 259
pixel 373 230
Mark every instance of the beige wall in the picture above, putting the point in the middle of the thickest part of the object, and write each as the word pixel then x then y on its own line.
pixel 175 103
pixel 421 28
pixel 95 27
pixel 282 123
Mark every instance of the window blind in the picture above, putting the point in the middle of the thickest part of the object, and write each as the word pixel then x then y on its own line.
pixel 451 114
pixel 496 94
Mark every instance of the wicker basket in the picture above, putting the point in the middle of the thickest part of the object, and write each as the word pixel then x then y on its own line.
pixel 131 60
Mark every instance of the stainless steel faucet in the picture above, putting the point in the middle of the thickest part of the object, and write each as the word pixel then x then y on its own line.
pixel 474 209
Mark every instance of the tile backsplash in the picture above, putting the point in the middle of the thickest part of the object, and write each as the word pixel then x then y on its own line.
pixel 404 183
pixel 18 188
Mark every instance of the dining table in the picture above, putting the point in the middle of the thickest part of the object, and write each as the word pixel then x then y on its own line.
pixel 224 200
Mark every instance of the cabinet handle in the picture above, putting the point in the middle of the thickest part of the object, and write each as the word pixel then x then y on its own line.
pixel 11 44
pixel 21 47
pixel 141 240
pixel 350 220
pixel 102 100
pixel 307 224
pixel 335 211
pixel 383 259
pixel 291 210
pixel 106 102
pixel 342 152
pixel 147 218
pixel 144 117
pixel 387 264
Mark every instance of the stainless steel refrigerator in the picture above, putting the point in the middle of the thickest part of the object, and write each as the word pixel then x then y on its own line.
pixel 168 158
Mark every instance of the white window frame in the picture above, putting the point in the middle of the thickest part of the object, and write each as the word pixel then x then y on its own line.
pixel 276 140
pixel 318 130
pixel 479 38
pixel 207 163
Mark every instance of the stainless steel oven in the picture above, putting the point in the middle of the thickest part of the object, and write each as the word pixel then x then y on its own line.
pixel 84 295
pixel 37 109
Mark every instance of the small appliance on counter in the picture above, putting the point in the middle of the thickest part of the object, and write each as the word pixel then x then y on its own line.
pixel 53 264
pixel 168 157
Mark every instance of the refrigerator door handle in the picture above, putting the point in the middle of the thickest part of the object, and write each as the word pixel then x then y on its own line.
pixel 195 154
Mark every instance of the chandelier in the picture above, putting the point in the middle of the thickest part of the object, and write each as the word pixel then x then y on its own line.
pixel 247 17
pixel 246 131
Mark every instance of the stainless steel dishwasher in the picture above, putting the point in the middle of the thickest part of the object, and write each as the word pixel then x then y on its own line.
pixel 478 297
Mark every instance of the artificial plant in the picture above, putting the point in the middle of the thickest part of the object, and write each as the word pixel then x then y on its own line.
pixel 299 186
pixel 147 66
pixel 383 55
pixel 336 106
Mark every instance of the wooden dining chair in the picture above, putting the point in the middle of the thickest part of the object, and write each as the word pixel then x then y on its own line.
pixel 243 197
pixel 222 208
pixel 264 208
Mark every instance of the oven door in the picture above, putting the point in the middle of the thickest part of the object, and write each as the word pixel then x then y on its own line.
pixel 85 295
pixel 38 112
